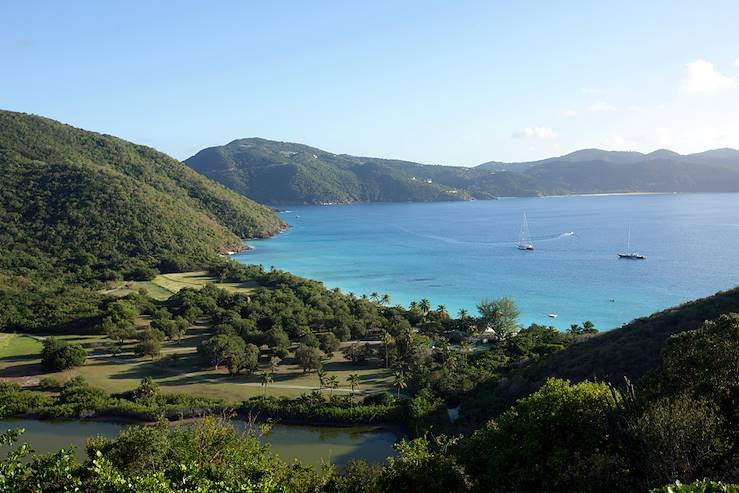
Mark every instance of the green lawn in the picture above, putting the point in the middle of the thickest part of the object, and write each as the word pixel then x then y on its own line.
pixel 165 285
pixel 14 346
pixel 179 369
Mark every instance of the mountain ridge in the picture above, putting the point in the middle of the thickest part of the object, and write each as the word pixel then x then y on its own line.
pixel 276 172
pixel 595 154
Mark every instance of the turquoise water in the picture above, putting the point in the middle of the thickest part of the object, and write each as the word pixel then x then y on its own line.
pixel 456 253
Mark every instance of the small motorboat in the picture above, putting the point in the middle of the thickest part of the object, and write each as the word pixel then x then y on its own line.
pixel 552 315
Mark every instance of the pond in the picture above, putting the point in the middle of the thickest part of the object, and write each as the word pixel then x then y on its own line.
pixel 311 445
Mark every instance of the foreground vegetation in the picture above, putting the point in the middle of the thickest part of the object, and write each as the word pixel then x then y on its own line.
pixel 676 421
pixel 680 424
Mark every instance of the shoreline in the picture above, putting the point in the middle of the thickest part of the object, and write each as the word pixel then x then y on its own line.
pixel 615 194
pixel 237 416
pixel 281 208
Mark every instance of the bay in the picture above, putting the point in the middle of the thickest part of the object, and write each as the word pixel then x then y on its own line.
pixel 457 253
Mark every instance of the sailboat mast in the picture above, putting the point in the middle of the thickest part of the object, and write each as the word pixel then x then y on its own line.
pixel 524 230
pixel 524 243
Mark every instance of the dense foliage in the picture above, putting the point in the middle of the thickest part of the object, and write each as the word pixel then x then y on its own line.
pixel 282 172
pixel 58 355
pixel 315 408
pixel 631 351
pixel 78 399
pixel 96 207
pixel 677 423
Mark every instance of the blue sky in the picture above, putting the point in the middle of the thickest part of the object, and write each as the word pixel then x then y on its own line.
pixel 436 82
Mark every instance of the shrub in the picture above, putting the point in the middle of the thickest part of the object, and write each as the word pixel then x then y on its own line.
pixel 702 486
pixel 58 355
pixel 49 383
pixel 314 408
pixel 531 446
pixel 309 358
pixel 380 399
pixel 148 347
pixel 329 343
pixel 16 400
pixel 678 438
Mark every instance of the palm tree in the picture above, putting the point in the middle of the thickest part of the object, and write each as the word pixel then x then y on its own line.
pixel 463 314
pixel 441 311
pixel 375 296
pixel 399 382
pixel 353 380
pixel 266 380
pixel 321 379
pixel 387 339
pixel 413 306
pixel 332 382
pixel 425 306
pixel 385 299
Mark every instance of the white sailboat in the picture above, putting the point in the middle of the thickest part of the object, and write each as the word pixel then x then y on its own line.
pixel 524 242
pixel 628 254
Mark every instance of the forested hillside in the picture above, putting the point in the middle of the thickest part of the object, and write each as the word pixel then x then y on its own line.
pixel 282 173
pixel 96 206
pixel 632 351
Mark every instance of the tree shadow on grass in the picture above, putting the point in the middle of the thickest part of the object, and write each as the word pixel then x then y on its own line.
pixel 20 357
pixel 22 370
pixel 216 378
pixel 347 366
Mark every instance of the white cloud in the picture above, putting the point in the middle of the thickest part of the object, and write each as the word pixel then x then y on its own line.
pixel 601 107
pixel 736 63
pixel 591 90
pixel 540 133
pixel 702 77
pixel 569 113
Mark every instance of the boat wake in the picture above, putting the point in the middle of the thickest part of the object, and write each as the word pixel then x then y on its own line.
pixel 560 236
pixel 454 241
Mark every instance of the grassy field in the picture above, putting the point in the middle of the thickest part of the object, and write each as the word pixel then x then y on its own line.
pixel 178 369
pixel 165 285
pixel 13 346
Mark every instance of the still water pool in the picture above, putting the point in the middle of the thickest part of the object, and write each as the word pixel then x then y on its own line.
pixel 311 445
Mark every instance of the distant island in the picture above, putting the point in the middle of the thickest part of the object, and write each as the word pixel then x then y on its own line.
pixel 274 172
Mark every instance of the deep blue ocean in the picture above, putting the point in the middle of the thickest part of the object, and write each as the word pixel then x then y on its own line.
pixel 457 253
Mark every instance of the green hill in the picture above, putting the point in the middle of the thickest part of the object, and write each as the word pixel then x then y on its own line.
pixel 632 351
pixel 282 172
pixel 95 206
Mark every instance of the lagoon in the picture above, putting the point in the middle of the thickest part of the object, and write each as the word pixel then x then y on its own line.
pixel 311 445
pixel 456 253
